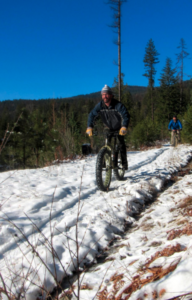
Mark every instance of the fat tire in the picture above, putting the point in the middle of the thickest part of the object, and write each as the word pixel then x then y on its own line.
pixel 118 171
pixel 103 155
pixel 175 140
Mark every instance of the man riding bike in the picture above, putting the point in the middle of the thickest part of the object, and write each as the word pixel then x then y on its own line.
pixel 175 126
pixel 115 117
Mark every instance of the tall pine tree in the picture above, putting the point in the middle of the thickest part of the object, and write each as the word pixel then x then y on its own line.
pixel 150 59
pixel 116 7
pixel 180 57
pixel 169 103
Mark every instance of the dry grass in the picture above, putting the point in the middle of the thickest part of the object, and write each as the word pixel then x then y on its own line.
pixel 118 282
pixel 139 280
pixel 176 192
pixel 144 238
pixel 66 296
pixel 103 295
pixel 110 258
pixel 186 202
pixel 155 244
pixel 167 251
pixel 147 226
pixel 134 261
pixel 181 222
pixel 172 209
pixel 172 234
pixel 188 212
pixel 86 287
pixel 162 292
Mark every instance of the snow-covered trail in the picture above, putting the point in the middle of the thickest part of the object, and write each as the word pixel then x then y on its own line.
pixel 28 197
pixel 49 189
pixel 153 259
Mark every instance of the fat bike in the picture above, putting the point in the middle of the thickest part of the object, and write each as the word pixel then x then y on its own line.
pixel 108 159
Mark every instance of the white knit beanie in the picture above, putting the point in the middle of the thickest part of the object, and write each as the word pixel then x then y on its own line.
pixel 106 89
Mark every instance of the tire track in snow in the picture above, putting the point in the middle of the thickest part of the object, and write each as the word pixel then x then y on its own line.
pixel 149 160
pixel 72 202
pixel 33 230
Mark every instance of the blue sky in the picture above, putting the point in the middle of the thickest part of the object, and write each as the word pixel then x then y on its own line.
pixel 63 48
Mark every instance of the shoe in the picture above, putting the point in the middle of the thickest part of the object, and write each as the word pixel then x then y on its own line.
pixel 125 166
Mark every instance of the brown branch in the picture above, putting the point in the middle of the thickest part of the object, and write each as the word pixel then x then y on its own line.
pixel 6 137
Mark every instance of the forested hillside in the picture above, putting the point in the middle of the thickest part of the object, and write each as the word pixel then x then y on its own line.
pixel 36 132
pixel 55 128
pixel 40 131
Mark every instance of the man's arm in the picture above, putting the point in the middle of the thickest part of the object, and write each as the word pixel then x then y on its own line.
pixel 125 115
pixel 170 124
pixel 93 114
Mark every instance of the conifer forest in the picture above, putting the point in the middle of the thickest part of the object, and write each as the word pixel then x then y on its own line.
pixel 34 133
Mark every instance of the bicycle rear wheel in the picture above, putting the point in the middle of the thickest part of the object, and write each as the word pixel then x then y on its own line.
pixel 175 139
pixel 119 171
pixel 103 169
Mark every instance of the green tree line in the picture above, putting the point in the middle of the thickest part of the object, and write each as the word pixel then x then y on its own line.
pixel 54 129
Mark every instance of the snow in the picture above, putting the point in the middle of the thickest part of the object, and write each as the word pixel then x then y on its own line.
pixel 40 208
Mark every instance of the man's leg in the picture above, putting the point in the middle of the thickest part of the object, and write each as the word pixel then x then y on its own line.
pixel 172 137
pixel 123 151
pixel 179 135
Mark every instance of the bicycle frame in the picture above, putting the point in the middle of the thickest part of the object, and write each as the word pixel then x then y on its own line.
pixel 175 137
pixel 108 160
pixel 113 149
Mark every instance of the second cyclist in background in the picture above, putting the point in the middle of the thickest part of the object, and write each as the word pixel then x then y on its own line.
pixel 175 127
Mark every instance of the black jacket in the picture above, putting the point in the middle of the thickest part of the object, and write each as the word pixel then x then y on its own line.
pixel 114 117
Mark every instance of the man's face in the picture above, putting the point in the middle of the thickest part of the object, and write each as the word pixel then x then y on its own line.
pixel 174 119
pixel 107 97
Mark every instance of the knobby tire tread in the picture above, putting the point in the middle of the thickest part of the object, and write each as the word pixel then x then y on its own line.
pixel 99 166
pixel 116 172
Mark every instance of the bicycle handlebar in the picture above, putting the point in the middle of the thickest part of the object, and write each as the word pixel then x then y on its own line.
pixel 111 133
pixel 107 133
pixel 175 129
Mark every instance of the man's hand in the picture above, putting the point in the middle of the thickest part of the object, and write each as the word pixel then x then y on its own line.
pixel 89 131
pixel 123 131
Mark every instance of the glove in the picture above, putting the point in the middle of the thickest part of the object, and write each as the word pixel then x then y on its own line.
pixel 123 131
pixel 89 131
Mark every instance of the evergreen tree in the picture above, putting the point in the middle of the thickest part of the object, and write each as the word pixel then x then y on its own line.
pixel 168 75
pixel 145 132
pixel 44 138
pixel 116 7
pixel 169 103
pixel 150 59
pixel 180 57
pixel 126 97
pixel 187 126
pixel 21 142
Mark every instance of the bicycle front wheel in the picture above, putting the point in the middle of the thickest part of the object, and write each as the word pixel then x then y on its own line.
pixel 119 171
pixel 175 140
pixel 103 169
